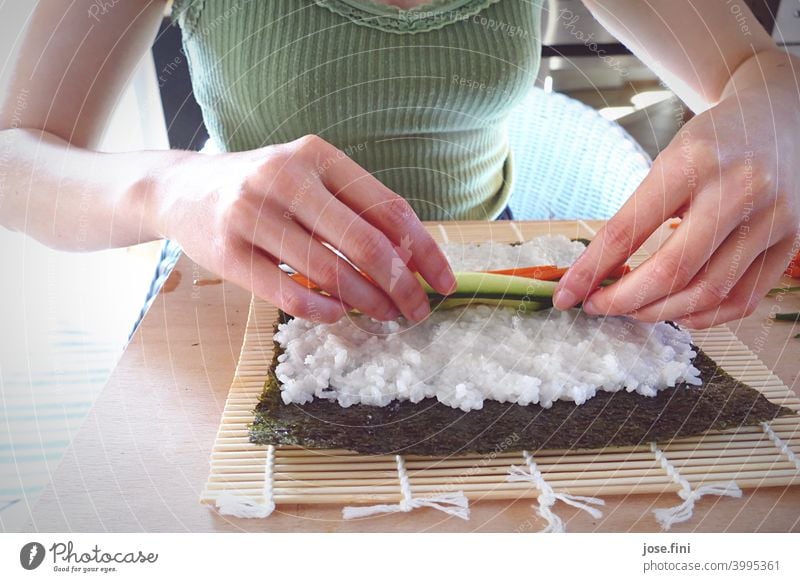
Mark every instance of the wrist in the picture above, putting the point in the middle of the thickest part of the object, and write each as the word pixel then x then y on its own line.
pixel 151 196
pixel 769 70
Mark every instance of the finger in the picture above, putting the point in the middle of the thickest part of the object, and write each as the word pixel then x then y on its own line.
pixel 394 217
pixel 662 192
pixel 328 218
pixel 252 269
pixel 714 282
pixel 295 246
pixel 749 291
pixel 672 267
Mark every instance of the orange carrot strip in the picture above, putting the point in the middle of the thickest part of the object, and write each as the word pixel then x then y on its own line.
pixel 304 281
pixel 311 285
pixel 543 273
pixel 793 270
pixel 551 272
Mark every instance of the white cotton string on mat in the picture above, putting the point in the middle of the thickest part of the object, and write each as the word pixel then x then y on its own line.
pixel 455 503
pixel 548 497
pixel 241 506
pixel 669 516
pixel 781 445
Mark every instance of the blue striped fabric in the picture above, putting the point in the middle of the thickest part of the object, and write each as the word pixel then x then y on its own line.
pixel 67 319
pixel 44 401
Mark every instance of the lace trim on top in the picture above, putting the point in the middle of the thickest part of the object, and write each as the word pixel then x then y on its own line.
pixel 186 12
pixel 430 16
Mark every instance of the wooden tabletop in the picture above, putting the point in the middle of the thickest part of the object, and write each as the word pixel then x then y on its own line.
pixel 141 459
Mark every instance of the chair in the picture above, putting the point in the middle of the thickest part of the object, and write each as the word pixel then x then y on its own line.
pixel 569 161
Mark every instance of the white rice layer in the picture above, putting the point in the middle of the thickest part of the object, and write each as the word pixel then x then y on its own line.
pixel 463 357
pixel 543 250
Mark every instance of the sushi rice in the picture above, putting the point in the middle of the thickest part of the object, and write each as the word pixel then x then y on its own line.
pixel 465 356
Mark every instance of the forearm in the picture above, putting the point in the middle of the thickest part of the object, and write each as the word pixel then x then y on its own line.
pixel 694 46
pixel 76 199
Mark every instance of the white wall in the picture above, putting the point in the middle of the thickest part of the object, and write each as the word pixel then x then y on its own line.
pixel 13 15
pixel 44 294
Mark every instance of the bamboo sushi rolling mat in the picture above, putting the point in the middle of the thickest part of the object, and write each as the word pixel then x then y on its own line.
pixel 753 456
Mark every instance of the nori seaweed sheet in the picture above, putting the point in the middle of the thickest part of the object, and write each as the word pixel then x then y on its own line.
pixel 432 428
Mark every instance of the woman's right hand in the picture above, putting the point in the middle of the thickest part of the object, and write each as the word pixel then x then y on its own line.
pixel 238 214
pixel 242 214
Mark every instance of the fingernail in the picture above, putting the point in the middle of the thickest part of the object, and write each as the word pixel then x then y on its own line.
pixel 590 308
pixel 564 299
pixel 391 313
pixel 421 312
pixel 447 282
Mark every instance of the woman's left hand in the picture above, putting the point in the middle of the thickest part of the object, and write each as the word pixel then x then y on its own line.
pixel 733 174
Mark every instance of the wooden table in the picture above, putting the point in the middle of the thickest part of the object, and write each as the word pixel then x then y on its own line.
pixel 140 460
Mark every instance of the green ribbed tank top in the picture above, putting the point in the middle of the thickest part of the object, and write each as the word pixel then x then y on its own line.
pixel 417 97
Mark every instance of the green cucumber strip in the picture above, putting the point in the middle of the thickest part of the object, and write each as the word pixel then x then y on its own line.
pixel 781 290
pixel 787 316
pixel 521 305
pixel 492 285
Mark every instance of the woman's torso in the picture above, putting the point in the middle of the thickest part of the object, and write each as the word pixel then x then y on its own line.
pixel 417 97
